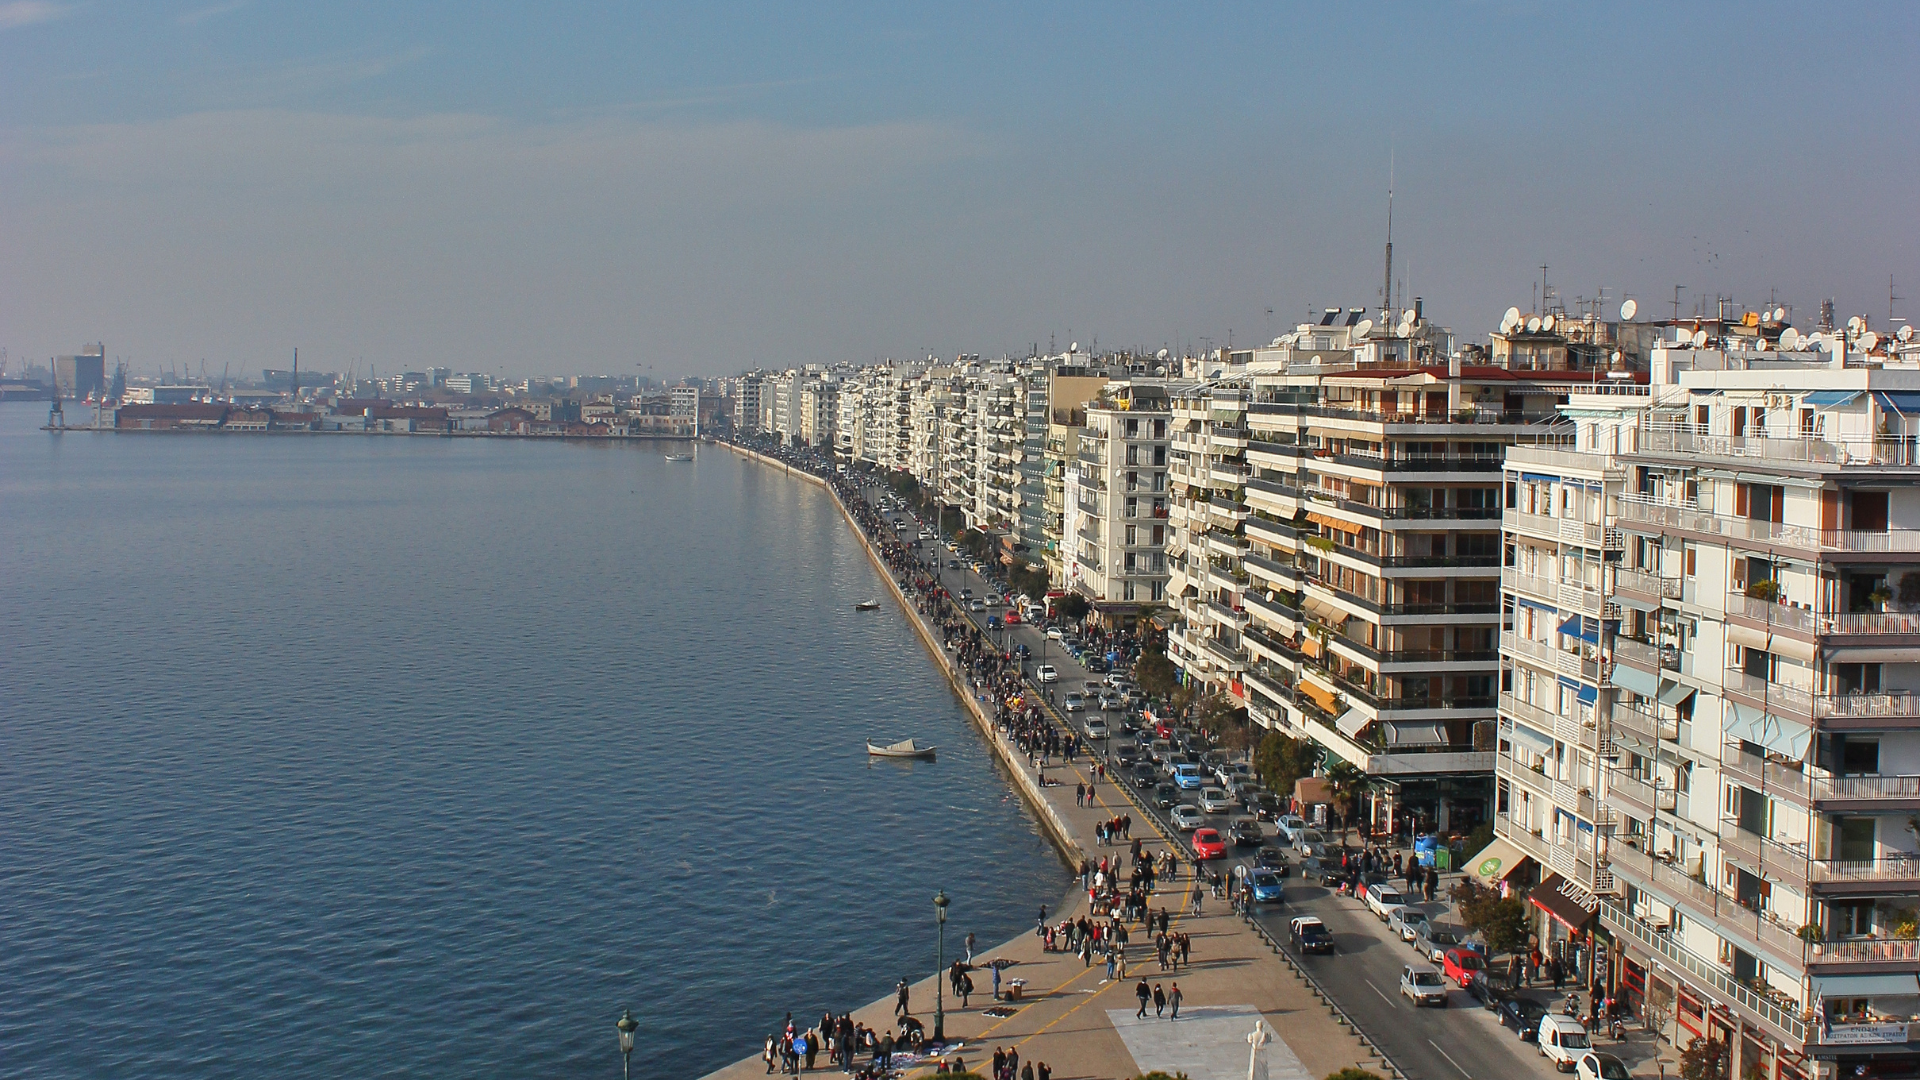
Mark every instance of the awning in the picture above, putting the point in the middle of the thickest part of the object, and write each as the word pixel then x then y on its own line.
pixel 1675 693
pixel 1904 402
pixel 1578 627
pixel 1541 742
pixel 1324 611
pixel 1885 654
pixel 1332 522
pixel 1747 636
pixel 1635 602
pixel 1321 696
pixel 1636 680
pixel 1416 733
pixel 1536 605
pixel 1830 399
pixel 1903 984
pixel 1786 645
pixel 1569 904
pixel 1352 722
pixel 1782 736
pixel 1539 478
pixel 1588 694
pixel 1496 861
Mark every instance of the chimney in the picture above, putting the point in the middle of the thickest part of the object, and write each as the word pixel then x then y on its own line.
pixel 1453 363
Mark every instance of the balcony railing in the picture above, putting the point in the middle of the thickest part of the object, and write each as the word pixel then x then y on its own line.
pixel 1780 1017
pixel 1865 450
pixel 1646 510
pixel 1813 783
pixel 1644 724
pixel 1866 951
pixel 1901 868
pixel 1562 458
pixel 1641 583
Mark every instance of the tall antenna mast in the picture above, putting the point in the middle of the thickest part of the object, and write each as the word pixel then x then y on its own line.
pixel 1386 286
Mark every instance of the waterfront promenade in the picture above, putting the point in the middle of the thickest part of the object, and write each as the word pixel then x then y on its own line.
pixel 1068 1015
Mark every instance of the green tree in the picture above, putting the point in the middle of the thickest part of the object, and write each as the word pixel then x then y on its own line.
pixel 1072 607
pixel 1502 922
pixel 1354 1072
pixel 1346 784
pixel 1156 674
pixel 1281 761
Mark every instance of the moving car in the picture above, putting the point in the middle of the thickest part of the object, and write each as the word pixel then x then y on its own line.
pixel 1186 816
pixel 1523 1015
pixel 1186 775
pixel 1310 935
pixel 1074 702
pixel 1461 963
pixel 1165 795
pixel 1214 801
pixel 1562 1040
pixel 1303 837
pixel 1096 729
pixel 1208 845
pixel 976 604
pixel 1312 869
pixel 1266 887
pixel 1143 776
pixel 1425 987
pixel 1047 673
pixel 1433 941
pixel 1598 1066
pixel 1270 858
pixel 1407 922
pixel 1247 834
pixel 1288 825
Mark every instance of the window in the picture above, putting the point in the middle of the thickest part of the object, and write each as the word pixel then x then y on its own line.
pixel 1855 835
pixel 1133 534
pixel 1133 429
pixel 1850 918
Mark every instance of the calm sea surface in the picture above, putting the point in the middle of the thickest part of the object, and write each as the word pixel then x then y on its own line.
pixel 344 756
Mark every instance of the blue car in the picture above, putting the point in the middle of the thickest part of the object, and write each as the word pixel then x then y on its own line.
pixel 1267 888
pixel 1187 777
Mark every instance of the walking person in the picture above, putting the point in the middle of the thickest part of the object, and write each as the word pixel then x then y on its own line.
pixel 900 1002
pixel 1144 993
pixel 969 950
pixel 1159 1001
pixel 1173 1001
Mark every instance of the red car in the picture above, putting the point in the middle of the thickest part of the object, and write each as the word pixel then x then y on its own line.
pixel 1013 616
pixel 1208 845
pixel 1460 964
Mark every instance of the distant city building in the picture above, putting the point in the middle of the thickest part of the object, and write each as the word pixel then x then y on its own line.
pixel 80 375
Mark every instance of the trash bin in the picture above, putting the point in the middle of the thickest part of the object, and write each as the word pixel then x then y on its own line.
pixel 1014 987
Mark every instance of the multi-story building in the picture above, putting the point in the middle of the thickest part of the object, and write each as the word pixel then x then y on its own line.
pixel 1118 543
pixel 1071 383
pixel 1208 552
pixel 1710 737
pixel 748 402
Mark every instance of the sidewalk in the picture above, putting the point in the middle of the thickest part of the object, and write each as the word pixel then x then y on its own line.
pixel 1084 1027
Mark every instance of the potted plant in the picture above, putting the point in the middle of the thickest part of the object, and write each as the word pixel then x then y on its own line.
pixel 1878 598
pixel 1768 590
pixel 1811 934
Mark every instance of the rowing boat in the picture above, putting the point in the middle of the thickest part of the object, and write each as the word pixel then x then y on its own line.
pixel 906 748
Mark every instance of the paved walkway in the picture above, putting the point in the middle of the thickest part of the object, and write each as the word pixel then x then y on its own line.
pixel 1067 1014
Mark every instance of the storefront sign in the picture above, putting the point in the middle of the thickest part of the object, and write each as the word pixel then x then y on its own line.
pixel 1864 1034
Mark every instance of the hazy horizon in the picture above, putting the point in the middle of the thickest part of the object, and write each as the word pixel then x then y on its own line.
pixel 701 189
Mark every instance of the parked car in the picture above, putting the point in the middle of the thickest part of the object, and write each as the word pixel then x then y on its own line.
pixel 1382 900
pixel 1599 1066
pixel 1214 801
pixel 1054 633
pixel 1165 795
pixel 1460 965
pixel 1523 1015
pixel 1407 922
pixel 1246 834
pixel 1310 935
pixel 1434 940
pixel 1562 1040
pixel 1424 986
pixel 1208 845
pixel 1288 825
pixel 1047 673
pixel 1096 728
pixel 1186 817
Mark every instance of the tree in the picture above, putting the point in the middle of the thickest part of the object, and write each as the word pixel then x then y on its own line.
pixel 1073 607
pixel 1156 674
pixel 1502 922
pixel 1346 784
pixel 1354 1072
pixel 1706 1059
pixel 1281 761
pixel 1224 719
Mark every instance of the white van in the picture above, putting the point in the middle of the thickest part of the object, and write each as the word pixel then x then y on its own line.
pixel 1563 1041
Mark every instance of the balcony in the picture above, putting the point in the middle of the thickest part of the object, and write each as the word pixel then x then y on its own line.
pixel 1566 459
pixel 1552 528
pixel 1648 587
pixel 1646 726
pixel 1640 793
pixel 1644 510
pixel 1880 450
pixel 1759 930
pixel 1903 869
pixel 1813 784
pixel 1229 616
pixel 1646 656
pixel 1765 857
pixel 1566 663
pixel 1782 1019
pixel 1272 532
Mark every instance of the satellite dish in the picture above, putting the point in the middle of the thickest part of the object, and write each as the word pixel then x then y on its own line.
pixel 1790 339
pixel 1533 324
pixel 1360 328
pixel 1512 317
pixel 1779 314
pixel 1546 323
pixel 1856 324
pixel 1162 354
pixel 1906 332
pixel 1616 356
pixel 1699 339
pixel 1408 316
pixel 1075 347
pixel 1868 340
pixel 1628 309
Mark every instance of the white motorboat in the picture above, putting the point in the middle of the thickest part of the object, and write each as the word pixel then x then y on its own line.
pixel 906 748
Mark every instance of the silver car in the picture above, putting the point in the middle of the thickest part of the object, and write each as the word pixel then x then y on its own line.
pixel 1186 817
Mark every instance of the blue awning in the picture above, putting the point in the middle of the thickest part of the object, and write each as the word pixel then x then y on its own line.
pixel 1536 605
pixel 1584 629
pixel 1903 984
pixel 1830 399
pixel 1782 736
pixel 1904 402
pixel 1539 478
pixel 1675 693
pixel 1589 695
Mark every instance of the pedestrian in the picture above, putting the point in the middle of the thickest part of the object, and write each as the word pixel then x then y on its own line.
pixel 966 988
pixel 1143 992
pixel 1026 1071
pixel 969 950
pixel 770 1053
pixel 1433 882
pixel 1043 1071
pixel 1109 977
pixel 1173 1001
pixel 1159 1001
pixel 999 1062
pixel 1040 922
pixel 900 1002
pixel 996 982
pixel 1197 896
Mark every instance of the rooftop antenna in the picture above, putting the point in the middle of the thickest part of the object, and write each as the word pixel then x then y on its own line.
pixel 1386 284
pixel 1890 299
pixel 1676 302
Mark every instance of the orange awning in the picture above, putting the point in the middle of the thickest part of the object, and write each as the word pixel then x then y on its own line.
pixel 1331 522
pixel 1321 696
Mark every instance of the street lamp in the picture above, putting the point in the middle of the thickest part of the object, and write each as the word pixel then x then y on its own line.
pixel 626 1024
pixel 940 902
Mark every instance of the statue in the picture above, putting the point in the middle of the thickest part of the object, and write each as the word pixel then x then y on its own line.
pixel 1257 1041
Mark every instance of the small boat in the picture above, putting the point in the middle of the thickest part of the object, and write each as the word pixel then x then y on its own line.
pixel 867 605
pixel 679 457
pixel 906 748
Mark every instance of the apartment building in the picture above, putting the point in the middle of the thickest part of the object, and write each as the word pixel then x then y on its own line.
pixel 1071 383
pixel 1118 543
pixel 1709 749
pixel 1208 549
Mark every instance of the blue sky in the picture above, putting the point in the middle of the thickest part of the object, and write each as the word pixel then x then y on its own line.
pixel 701 188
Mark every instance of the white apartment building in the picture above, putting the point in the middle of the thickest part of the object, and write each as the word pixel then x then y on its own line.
pixel 1709 752
pixel 1117 541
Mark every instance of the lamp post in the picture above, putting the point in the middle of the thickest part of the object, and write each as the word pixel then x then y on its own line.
pixel 940 902
pixel 626 1024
